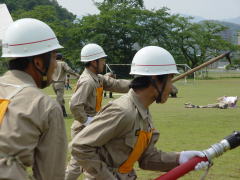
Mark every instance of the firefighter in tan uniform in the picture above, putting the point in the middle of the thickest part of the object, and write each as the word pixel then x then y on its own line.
pixel 87 99
pixel 123 133
pixel 59 78
pixel 223 102
pixel 32 130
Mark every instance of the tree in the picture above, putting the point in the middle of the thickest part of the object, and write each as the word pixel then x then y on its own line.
pixel 114 30
pixel 124 26
pixel 25 5
pixel 198 42
pixel 59 19
pixel 189 43
pixel 114 4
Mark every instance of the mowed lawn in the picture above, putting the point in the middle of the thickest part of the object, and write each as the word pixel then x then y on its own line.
pixel 192 129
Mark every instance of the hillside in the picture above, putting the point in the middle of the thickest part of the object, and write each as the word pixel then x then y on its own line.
pixel 233 20
pixel 28 5
pixel 229 34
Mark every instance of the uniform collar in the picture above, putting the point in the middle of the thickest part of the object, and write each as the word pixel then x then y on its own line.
pixel 20 77
pixel 142 110
pixel 93 75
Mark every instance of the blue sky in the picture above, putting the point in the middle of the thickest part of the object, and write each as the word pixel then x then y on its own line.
pixel 209 9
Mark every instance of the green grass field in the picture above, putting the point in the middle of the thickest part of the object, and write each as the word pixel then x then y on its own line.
pixel 192 129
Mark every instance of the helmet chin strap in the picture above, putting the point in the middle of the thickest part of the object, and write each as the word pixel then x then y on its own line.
pixel 43 83
pixel 160 92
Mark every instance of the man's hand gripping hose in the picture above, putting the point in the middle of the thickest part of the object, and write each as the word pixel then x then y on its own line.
pixel 230 142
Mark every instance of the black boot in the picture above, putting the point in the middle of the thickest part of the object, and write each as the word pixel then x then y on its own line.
pixel 110 95
pixel 64 111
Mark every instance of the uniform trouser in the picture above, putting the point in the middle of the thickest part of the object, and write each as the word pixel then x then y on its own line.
pixel 216 105
pixel 74 170
pixel 58 88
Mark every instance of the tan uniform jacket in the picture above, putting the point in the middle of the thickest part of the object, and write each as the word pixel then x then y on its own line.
pixel 83 101
pixel 106 143
pixel 61 71
pixel 33 130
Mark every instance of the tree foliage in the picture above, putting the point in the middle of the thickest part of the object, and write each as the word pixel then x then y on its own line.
pixel 26 5
pixel 124 26
pixel 114 4
pixel 120 29
pixel 195 43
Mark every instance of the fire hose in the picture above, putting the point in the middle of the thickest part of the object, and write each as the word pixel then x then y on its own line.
pixel 230 142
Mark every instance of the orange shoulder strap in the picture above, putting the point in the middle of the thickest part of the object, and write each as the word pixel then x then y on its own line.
pixel 3 108
pixel 143 140
pixel 5 102
pixel 99 92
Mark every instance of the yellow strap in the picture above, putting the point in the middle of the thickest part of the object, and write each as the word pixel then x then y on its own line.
pixel 99 92
pixel 142 143
pixel 3 108
pixel 4 102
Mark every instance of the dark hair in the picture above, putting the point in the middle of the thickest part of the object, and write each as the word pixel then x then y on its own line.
pixel 140 82
pixel 19 63
pixel 87 64
pixel 143 82
pixel 22 63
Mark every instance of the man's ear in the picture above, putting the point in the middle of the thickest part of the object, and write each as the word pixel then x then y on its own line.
pixel 38 62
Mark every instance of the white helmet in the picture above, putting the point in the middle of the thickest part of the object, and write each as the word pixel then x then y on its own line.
pixel 91 52
pixel 153 60
pixel 28 37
